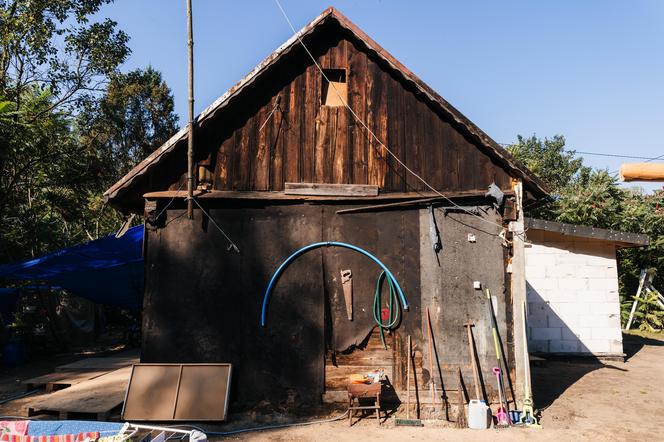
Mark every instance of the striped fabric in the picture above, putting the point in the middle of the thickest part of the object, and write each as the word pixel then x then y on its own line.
pixel 80 437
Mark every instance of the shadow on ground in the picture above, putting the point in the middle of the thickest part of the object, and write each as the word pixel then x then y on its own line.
pixel 558 374
pixel 632 344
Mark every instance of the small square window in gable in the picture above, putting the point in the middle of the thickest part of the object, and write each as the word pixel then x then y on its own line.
pixel 334 93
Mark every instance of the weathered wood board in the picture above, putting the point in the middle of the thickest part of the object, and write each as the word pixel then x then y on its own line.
pixel 95 397
pixel 61 379
pixel 330 189
pixel 106 363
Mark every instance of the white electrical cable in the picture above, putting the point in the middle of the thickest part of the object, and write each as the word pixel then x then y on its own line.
pixel 231 244
pixel 373 135
pixel 268 427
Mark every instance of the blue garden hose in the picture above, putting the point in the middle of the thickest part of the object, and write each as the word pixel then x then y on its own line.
pixel 268 291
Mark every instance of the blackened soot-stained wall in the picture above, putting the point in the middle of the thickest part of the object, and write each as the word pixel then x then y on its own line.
pixel 202 302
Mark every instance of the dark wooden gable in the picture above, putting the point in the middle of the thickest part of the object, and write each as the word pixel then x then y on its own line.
pixel 306 141
pixel 244 146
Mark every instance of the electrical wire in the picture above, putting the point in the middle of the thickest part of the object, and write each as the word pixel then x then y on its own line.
pixel 231 244
pixel 17 396
pixel 370 132
pixel 601 154
pixel 267 119
pixel 612 155
pixel 273 427
pixel 170 202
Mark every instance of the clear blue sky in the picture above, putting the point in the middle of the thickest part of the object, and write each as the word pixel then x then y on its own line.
pixel 590 70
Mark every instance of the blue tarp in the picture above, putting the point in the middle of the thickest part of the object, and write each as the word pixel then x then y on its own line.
pixel 8 300
pixel 52 428
pixel 108 270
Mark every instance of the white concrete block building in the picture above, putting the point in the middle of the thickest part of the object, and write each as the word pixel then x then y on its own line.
pixel 572 288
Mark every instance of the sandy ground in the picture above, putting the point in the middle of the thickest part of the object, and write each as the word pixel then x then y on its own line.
pixel 582 402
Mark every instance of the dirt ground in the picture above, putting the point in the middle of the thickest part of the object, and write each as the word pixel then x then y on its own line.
pixel 588 401
pixel 616 401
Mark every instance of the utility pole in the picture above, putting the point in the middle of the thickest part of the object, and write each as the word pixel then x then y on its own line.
pixel 642 172
pixel 190 145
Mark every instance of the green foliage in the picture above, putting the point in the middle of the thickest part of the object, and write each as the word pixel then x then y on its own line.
pixel 52 44
pixel 70 123
pixel 586 196
pixel 649 314
pixel 549 160
pixel 134 117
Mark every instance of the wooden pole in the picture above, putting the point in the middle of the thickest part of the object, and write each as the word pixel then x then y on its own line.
pixel 410 352
pixel 471 347
pixel 190 141
pixel 432 384
pixel 642 172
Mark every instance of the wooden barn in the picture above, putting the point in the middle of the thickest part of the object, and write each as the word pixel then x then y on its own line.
pixel 282 163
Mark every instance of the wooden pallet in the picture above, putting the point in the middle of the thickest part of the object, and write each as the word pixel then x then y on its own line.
pixel 61 379
pixel 94 398
pixel 101 364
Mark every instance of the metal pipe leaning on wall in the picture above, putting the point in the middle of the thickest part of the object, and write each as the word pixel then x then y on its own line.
pixel 303 250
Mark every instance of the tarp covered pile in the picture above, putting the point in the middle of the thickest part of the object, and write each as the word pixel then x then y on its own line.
pixel 108 270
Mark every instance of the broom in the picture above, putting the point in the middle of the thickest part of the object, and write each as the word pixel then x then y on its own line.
pixel 408 422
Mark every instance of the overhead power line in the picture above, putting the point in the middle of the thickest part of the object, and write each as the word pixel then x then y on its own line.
pixel 371 133
pixel 602 154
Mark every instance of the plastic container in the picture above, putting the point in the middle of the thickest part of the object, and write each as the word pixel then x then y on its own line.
pixel 479 415
pixel 13 353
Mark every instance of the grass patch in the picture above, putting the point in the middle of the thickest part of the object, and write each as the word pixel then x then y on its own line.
pixel 659 335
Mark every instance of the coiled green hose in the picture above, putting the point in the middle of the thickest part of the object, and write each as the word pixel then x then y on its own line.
pixel 394 308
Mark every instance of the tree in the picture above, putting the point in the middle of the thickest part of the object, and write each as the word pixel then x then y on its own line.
pixel 586 196
pixel 70 123
pixel 41 183
pixel 51 44
pixel 549 160
pixel 134 117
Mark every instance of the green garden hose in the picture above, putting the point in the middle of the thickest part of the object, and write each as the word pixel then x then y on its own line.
pixel 394 309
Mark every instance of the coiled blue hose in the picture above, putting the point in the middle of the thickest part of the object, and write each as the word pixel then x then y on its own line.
pixel 303 250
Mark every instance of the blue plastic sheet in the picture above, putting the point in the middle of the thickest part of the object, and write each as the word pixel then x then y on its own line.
pixel 8 299
pixel 53 428
pixel 107 270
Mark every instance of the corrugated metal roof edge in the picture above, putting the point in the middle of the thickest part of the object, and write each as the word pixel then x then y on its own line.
pixel 633 239
pixel 532 181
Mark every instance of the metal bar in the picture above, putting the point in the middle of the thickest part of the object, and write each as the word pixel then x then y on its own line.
pixel 636 298
pixel 165 429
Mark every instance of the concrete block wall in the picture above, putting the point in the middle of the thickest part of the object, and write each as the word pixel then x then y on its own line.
pixel 572 293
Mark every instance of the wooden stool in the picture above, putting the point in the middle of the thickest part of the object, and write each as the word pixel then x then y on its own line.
pixel 363 391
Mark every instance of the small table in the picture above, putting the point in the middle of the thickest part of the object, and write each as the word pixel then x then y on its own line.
pixel 363 391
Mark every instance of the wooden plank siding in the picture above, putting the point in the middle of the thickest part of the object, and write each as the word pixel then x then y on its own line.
pixel 308 142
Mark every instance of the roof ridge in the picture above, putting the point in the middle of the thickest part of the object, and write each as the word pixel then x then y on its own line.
pixel 503 155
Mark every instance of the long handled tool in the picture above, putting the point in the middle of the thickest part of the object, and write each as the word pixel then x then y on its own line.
pixel 408 422
pixel 496 343
pixel 410 352
pixel 434 355
pixel 432 383
pixel 527 414
pixel 461 421
pixel 473 362
pixel 501 415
